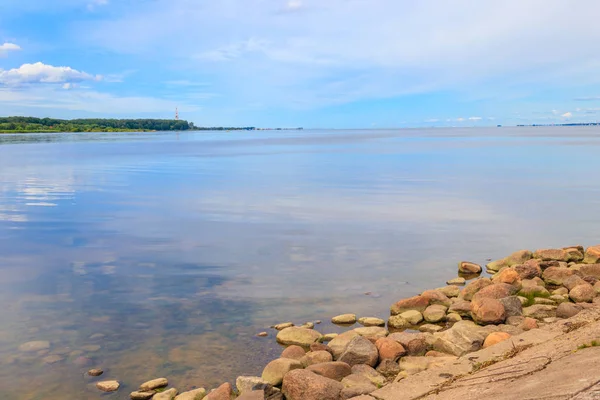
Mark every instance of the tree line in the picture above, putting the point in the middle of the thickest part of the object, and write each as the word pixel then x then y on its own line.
pixel 31 124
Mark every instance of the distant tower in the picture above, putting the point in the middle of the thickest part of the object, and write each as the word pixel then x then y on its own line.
pixel 176 114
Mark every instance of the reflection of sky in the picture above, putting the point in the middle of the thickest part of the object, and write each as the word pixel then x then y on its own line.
pixel 272 225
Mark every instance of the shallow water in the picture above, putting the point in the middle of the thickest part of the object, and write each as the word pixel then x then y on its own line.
pixel 170 252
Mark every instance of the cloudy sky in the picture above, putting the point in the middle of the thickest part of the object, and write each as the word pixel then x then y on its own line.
pixel 311 63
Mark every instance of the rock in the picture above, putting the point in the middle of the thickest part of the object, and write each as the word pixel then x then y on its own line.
pixel 298 336
pixel 354 380
pixel 573 281
pixel 335 370
pixel 519 257
pixel 328 337
pixel 430 328
pixel 36 345
pixel 398 322
pixel 276 369
pixel 435 313
pixel 412 316
pixel 321 347
pixel 168 395
pixel 52 359
pixel 534 291
pixel 450 291
pixel 437 297
pixel 568 310
pixel 507 276
pixel 360 351
pixel 574 253
pixel 453 317
pixel 91 348
pixel 551 254
pixel 460 281
pixel 344 319
pixel 462 338
pixel 514 320
pixel 494 338
pixel 488 311
pixel 308 325
pixel 462 308
pixel 316 357
pixel 246 384
pixel 262 334
pixel 418 303
pixel 95 372
pixel 371 321
pixel 512 306
pixel 373 333
pixel 82 361
pixel 539 311
pixel 388 368
pixel 339 344
pixel 223 392
pixel 530 269
pixel 283 325
pixel 195 394
pixel 370 373
pixel 561 291
pixel 557 298
pixel 541 300
pixel 389 349
pixel 597 287
pixel 253 395
pixel 590 270
pixel 473 287
pixel 306 385
pixel 592 255
pixel 528 324
pixel 141 395
pixel 108 386
pixel 582 293
pixel 469 268
pixel 556 275
pixel 495 291
pixel 294 352
pixel 414 365
pixel 357 392
pixel 153 384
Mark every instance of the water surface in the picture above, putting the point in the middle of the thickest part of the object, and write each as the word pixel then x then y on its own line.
pixel 163 254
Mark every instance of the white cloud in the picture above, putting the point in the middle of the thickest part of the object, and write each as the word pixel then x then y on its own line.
pixel 42 73
pixel 294 4
pixel 6 47
pixel 475 118
pixel 567 115
pixel 460 119
pixel 96 3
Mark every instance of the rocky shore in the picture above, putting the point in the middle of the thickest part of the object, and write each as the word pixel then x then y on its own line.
pixel 443 330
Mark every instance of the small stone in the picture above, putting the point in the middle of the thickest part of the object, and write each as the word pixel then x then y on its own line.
pixel 456 281
pixel 167 395
pixel 328 337
pixel 344 319
pixel 192 394
pixel 318 321
pixel 541 300
pixel 539 311
pixel 469 268
pixel 141 395
pixel 435 313
pixel 96 336
pixel 430 328
pixel 494 338
pixel 91 348
pixel 308 325
pixel 249 383
pixel 95 372
pixel 82 361
pixel 529 324
pixel 262 334
pixel 453 317
pixel 335 370
pixel 294 352
pixel 153 384
pixel 389 349
pixel 561 291
pixel 108 386
pixel 371 321
pixel 37 345
pixel 223 392
pixel 276 370
pixel 316 357
pixel 52 359
pixel 299 336
pixel 450 291
pixel 360 351
pixel 320 347
pixel 412 316
pixel 282 326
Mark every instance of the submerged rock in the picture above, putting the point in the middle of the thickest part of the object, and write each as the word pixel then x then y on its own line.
pixel 108 386
pixel 95 372
pixel 36 345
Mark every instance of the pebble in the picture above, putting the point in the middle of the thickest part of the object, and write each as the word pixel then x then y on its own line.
pixel 344 319
pixel 95 372
pixel 52 359
pixel 108 386
pixel 262 334
pixel 282 326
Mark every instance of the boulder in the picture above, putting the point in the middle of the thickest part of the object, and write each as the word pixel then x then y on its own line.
pixel 192 394
pixel 435 313
pixel 469 268
pixel 561 291
pixel 276 370
pixel 316 357
pixel 418 303
pixel 507 276
pixel 450 291
pixel 388 368
pixel 488 311
pixel 453 317
pixel 398 322
pixel 590 270
pixel 389 349
pixel 412 316
pixel 357 392
pixel 494 338
pixel 592 255
pixel 557 275
pixel 552 254
pixel 306 385
pixel 223 392
pixel 328 337
pixel 568 310
pixel 584 293
pixel 344 319
pixel 519 257
pixel 246 384
pixel 298 336
pixel 153 384
pixel 360 351
pixel 462 338
pixel 430 328
pixel 539 311
pixel 282 326
pixel 530 269
pixel 573 281
pixel 169 395
pixel 462 308
pixel 368 372
pixel 574 253
pixel 335 370
pixel 460 281
pixel 373 333
pixel 473 287
pixel 495 291
pixel 436 297
pixel 528 324
pixel 108 386
pixel 371 321
pixel 512 306
pixel 597 287
pixel 339 343
pixel 294 352
pixel 321 347
pixel 534 291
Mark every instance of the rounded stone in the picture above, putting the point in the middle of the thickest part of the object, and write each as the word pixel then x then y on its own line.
pixel 316 357
pixel 276 370
pixel 389 349
pixel 412 316
pixel 108 386
pixel 335 370
pixel 34 346
pixel 306 385
pixel 460 281
pixel 95 372
pixel 262 334
pixel 137 395
pixel 294 352
pixel 371 321
pixel 494 338
pixel 344 319
pixel 52 359
pixel 153 384
pixel 360 351
pixel 298 336
pixel 469 268
pixel 582 293
pixel 435 313
pixel 398 322
pixel 488 311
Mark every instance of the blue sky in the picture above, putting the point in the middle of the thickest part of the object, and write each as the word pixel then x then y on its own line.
pixel 311 63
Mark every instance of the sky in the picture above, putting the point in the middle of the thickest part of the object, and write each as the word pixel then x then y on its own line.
pixel 310 63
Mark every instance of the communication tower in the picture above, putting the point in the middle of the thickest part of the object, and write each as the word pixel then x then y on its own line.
pixel 176 114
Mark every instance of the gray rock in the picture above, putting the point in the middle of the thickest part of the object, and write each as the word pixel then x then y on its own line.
pixel 462 338
pixel 512 306
pixel 360 351
pixel 539 311
pixel 568 310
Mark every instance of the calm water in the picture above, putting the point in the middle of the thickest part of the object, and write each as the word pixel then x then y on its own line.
pixel 163 255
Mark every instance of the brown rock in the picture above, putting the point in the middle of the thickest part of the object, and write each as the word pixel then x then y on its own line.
pixel 584 293
pixel 192 394
pixel 306 385
pixel 529 324
pixel 592 255
pixel 153 384
pixel 519 257
pixel 573 281
pixel 551 254
pixel 435 313
pixel 344 319
pixel 494 338
pixel 557 275
pixel 591 270
pixel 141 395
pixel 433 353
pixel 370 373
pixel 495 291
pixel 437 297
pixel 417 347
pixel 336 370
pixel 294 352
pixel 469 268
pixel 316 357
pixel 462 308
pixel 253 395
pixel 320 347
pixel 298 336
pixel 418 303
pixel 373 333
pixel 512 306
pixel 473 287
pixel 223 392
pixel 339 344
pixel 276 370
pixel 95 372
pixel 167 395
pixel 360 351
pixel 530 269
pixel 389 349
pixel 507 276
pixel 398 322
pixel 388 368
pixel 108 386
pixel 488 311
pixel 568 310
pixel 574 253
